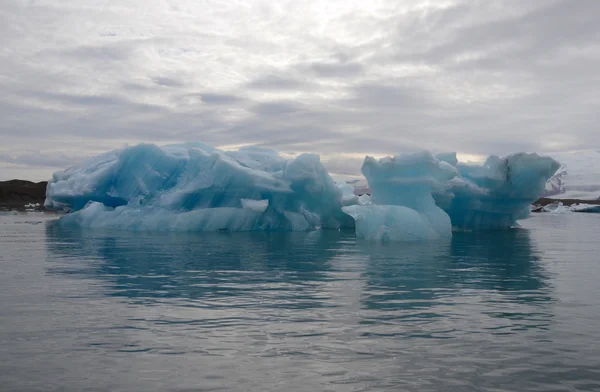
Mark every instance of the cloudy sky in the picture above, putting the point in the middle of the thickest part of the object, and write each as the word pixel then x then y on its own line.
pixel 343 78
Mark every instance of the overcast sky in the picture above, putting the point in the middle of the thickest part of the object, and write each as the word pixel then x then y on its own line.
pixel 343 78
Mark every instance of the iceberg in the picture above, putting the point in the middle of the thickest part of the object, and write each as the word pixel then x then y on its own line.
pixel 421 196
pixel 402 205
pixel 578 177
pixel 195 187
pixel 497 193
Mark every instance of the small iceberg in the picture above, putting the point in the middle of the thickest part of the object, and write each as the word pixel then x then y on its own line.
pixel 422 196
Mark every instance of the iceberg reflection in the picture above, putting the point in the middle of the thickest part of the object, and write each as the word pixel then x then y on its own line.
pixel 300 269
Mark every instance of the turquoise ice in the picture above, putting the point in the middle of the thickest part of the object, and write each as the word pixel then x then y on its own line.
pixel 194 187
pixel 421 196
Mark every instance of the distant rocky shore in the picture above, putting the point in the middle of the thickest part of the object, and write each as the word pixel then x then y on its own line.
pixel 564 205
pixel 20 195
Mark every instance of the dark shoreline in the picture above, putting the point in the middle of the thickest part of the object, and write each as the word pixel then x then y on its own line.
pixel 16 194
pixel 544 201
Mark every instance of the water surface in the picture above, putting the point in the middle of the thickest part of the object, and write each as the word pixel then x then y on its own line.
pixel 514 310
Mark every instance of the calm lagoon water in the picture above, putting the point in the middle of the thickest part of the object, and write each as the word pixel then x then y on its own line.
pixel 515 310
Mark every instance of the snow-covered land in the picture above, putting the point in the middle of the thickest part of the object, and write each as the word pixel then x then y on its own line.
pixel 560 208
pixel 578 177
pixel 194 187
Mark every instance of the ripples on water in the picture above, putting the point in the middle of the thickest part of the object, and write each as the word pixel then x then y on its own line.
pixel 501 310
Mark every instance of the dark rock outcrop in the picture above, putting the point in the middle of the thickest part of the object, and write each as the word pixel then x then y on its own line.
pixel 15 194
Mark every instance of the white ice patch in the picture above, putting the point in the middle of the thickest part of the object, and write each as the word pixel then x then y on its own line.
pixel 255 205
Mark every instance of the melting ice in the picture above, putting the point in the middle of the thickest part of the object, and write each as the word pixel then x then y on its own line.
pixel 194 187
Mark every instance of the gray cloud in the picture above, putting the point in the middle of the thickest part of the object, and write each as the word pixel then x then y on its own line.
pixel 219 99
pixel 42 159
pixel 272 82
pixel 168 82
pixel 275 109
pixel 103 53
pixel 74 99
pixel 333 70
pixel 478 77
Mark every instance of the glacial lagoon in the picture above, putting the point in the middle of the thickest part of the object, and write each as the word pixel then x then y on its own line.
pixel 497 310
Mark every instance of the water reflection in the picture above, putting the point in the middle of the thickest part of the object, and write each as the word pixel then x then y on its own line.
pixel 308 311
pixel 192 266
pixel 417 275
pixel 491 282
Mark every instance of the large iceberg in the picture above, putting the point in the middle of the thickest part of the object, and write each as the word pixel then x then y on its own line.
pixel 194 187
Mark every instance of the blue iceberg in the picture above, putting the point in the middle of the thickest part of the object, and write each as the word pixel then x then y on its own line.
pixel 402 207
pixel 421 196
pixel 498 193
pixel 194 187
